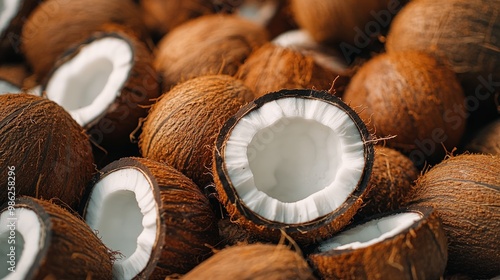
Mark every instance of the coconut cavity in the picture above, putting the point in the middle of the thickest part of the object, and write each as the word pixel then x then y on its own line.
pixel 24 237
pixel 88 84
pixel 294 160
pixel 8 10
pixel 124 213
pixel 371 232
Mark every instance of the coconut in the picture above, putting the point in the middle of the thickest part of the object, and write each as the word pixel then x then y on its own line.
pixel 412 96
pixel 272 68
pixel 182 126
pixel 106 83
pixel 12 17
pixel 56 25
pixel 465 35
pixel 12 78
pixel 256 261
pixel 465 191
pixel 155 217
pixel 403 244
pixel 49 242
pixel 296 161
pixel 49 151
pixel 486 140
pixel 216 44
pixel 393 176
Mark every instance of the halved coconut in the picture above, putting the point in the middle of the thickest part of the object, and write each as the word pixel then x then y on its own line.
pixel 293 160
pixel 41 240
pixel 105 83
pixel 404 244
pixel 153 216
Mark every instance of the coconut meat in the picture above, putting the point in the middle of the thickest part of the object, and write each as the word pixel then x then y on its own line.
pixel 294 160
pixel 259 12
pixel 8 10
pixel 89 83
pixel 371 232
pixel 123 211
pixel 27 234
pixel 6 87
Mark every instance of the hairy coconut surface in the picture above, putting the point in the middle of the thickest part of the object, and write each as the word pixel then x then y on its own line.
pixel 271 68
pixel 55 26
pixel 487 140
pixel 393 176
pixel 412 96
pixel 13 15
pixel 404 244
pixel 156 217
pixel 465 35
pixel 49 151
pixel 50 243
pixel 182 126
pixel 212 44
pixel 106 83
pixel 465 191
pixel 296 161
pixel 254 261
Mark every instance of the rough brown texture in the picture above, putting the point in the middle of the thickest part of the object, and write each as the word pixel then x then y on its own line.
pixel 465 191
pixel 272 68
pixel 182 126
pixel 113 127
pixel 303 233
pixel 412 96
pixel 49 150
pixel 10 36
pixel 56 25
pixel 419 252
pixel 69 248
pixel 487 140
pixel 465 34
pixel 393 176
pixel 256 261
pixel 212 44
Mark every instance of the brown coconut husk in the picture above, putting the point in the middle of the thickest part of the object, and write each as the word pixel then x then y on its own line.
pixel 465 191
pixel 14 74
pixel 216 44
pixel 50 152
pixel 486 140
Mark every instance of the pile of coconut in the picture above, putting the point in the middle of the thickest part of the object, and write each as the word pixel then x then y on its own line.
pixel 251 139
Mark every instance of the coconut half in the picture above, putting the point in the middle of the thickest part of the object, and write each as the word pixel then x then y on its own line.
pixel 155 218
pixel 293 160
pixel 403 244
pixel 104 84
pixel 40 239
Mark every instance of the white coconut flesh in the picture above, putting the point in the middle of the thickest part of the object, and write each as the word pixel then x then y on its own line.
pixel 8 10
pixel 259 12
pixel 371 232
pixel 294 160
pixel 123 211
pixel 89 83
pixel 27 237
pixel 6 87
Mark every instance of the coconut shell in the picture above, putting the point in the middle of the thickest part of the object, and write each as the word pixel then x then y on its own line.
pixel 487 140
pixel 182 126
pixel 393 176
pixel 68 248
pixel 465 191
pixel 418 252
pixel 55 26
pixel 256 261
pixel 216 44
pixel 50 152
pixel 412 96
pixel 465 35
pixel 10 37
pixel 113 128
pixel 14 74
pixel 272 68
pixel 186 225
pixel 302 233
